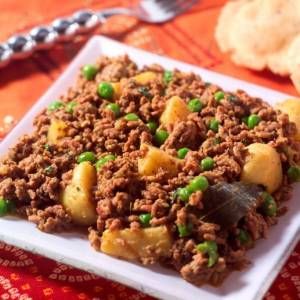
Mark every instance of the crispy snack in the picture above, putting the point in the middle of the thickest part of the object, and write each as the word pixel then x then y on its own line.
pixel 262 34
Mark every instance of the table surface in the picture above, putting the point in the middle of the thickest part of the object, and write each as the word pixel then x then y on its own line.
pixel 189 38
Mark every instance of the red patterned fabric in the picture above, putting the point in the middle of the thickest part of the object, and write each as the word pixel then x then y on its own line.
pixel 189 38
pixel 25 275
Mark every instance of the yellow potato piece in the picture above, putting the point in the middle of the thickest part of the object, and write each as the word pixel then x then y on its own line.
pixel 292 108
pixel 156 159
pixel 84 175
pixel 117 89
pixel 145 77
pixel 77 196
pixel 56 131
pixel 77 202
pixel 137 244
pixel 262 166
pixel 176 110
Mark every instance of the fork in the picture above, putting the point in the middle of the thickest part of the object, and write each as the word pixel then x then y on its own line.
pixel 153 11
pixel 64 29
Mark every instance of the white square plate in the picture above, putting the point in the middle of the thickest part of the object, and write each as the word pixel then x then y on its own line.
pixel 74 249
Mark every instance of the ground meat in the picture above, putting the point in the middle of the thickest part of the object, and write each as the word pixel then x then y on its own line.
pixel 198 273
pixel 52 219
pixel 36 171
pixel 21 189
pixel 94 239
pixel 182 252
pixel 22 149
pixel 184 134
pixel 237 260
pixel 7 188
pixel 256 225
pixel 115 69
pixel 196 199
pixel 207 231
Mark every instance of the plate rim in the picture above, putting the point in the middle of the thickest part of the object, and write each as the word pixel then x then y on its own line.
pixel 123 279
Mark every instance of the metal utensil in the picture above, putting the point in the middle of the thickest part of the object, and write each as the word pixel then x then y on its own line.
pixel 157 11
pixel 64 29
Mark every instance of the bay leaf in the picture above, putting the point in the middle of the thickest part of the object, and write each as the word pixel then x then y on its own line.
pixel 226 203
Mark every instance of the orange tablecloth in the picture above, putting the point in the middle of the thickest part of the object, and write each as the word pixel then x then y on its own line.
pixel 188 38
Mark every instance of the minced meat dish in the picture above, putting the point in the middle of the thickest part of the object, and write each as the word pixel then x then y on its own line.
pixel 158 165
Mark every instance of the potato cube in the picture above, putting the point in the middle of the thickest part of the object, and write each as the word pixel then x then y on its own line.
pixel 145 77
pixel 156 159
pixel 77 196
pixel 138 244
pixel 76 201
pixel 262 166
pixel 117 89
pixel 84 175
pixel 56 131
pixel 176 110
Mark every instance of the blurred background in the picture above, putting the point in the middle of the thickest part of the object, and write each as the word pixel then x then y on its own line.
pixel 189 37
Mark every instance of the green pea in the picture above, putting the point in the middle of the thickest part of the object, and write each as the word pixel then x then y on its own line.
pixel 195 105
pixel 214 125
pixel 160 136
pixel 168 76
pixel 294 173
pixel 253 120
pixel 212 259
pixel 70 107
pixel 207 163
pixel 244 237
pixel 211 248
pixel 199 183
pixel 55 105
pixel 103 160
pixel 269 206
pixel 131 117
pixel 207 246
pixel 105 90
pixel 115 108
pixel 145 219
pixel 10 206
pixel 3 207
pixel 152 126
pixel 218 96
pixel 182 152
pixel 184 230
pixel 86 156
pixel 183 194
pixel 89 72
